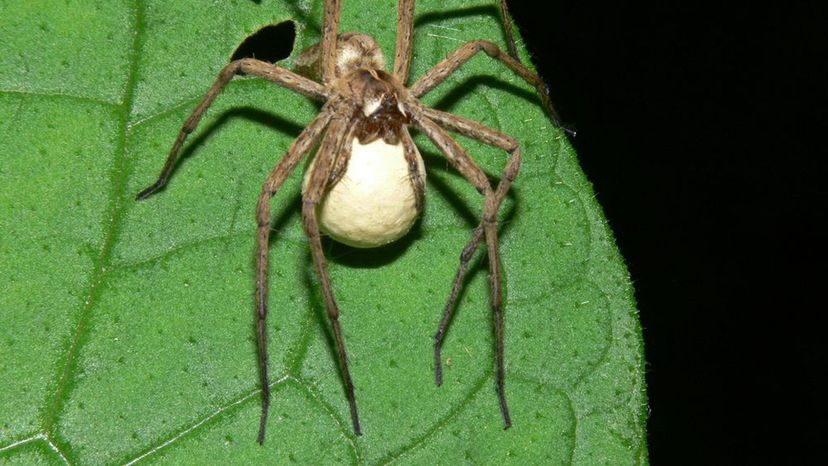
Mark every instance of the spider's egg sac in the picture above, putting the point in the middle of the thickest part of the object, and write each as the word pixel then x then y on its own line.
pixel 374 202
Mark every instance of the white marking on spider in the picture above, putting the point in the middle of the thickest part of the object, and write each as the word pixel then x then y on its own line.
pixel 347 55
pixel 371 106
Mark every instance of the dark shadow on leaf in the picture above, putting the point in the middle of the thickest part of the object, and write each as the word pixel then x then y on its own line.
pixel 280 218
pixel 371 258
pixel 471 12
pixel 480 83
pixel 254 115
pixel 438 170
pixel 476 11
pixel 317 304
pixel 438 182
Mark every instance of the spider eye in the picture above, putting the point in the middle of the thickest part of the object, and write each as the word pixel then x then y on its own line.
pixel 271 43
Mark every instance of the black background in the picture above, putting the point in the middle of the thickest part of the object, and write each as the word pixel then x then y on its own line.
pixel 701 128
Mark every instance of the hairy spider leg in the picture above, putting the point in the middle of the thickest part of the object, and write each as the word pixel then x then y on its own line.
pixel 405 40
pixel 464 53
pixel 472 172
pixel 249 66
pixel 301 146
pixel 497 139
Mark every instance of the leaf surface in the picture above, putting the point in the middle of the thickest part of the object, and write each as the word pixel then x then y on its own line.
pixel 126 329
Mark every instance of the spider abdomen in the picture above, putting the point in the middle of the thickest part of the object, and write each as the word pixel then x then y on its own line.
pixel 374 202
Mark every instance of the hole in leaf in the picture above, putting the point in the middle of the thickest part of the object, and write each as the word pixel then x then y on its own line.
pixel 271 43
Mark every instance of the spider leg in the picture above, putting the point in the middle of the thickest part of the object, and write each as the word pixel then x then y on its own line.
pixel 471 128
pixel 507 27
pixel 300 147
pixel 448 311
pixel 250 66
pixel 405 39
pixel 339 138
pixel 494 138
pixel 459 57
pixel 329 35
pixel 469 169
pixel 414 176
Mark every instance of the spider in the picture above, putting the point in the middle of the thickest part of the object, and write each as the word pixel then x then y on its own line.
pixel 365 185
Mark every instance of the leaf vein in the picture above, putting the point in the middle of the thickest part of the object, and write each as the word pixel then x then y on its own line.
pixel 21 442
pixel 430 432
pixel 526 378
pixel 100 271
pixel 200 423
pixel 345 429
pixel 188 246
pixel 59 95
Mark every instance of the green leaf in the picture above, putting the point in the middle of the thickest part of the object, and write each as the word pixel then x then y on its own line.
pixel 126 328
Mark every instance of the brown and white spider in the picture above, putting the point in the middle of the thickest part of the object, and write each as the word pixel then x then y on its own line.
pixel 365 186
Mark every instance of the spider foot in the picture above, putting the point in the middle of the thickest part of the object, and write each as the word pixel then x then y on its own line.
pixel 438 360
pixel 154 188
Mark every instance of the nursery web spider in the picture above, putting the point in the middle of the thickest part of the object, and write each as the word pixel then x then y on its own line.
pixel 365 141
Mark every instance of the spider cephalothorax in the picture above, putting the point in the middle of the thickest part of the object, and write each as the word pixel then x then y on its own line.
pixel 360 77
pixel 365 185
pixel 379 112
